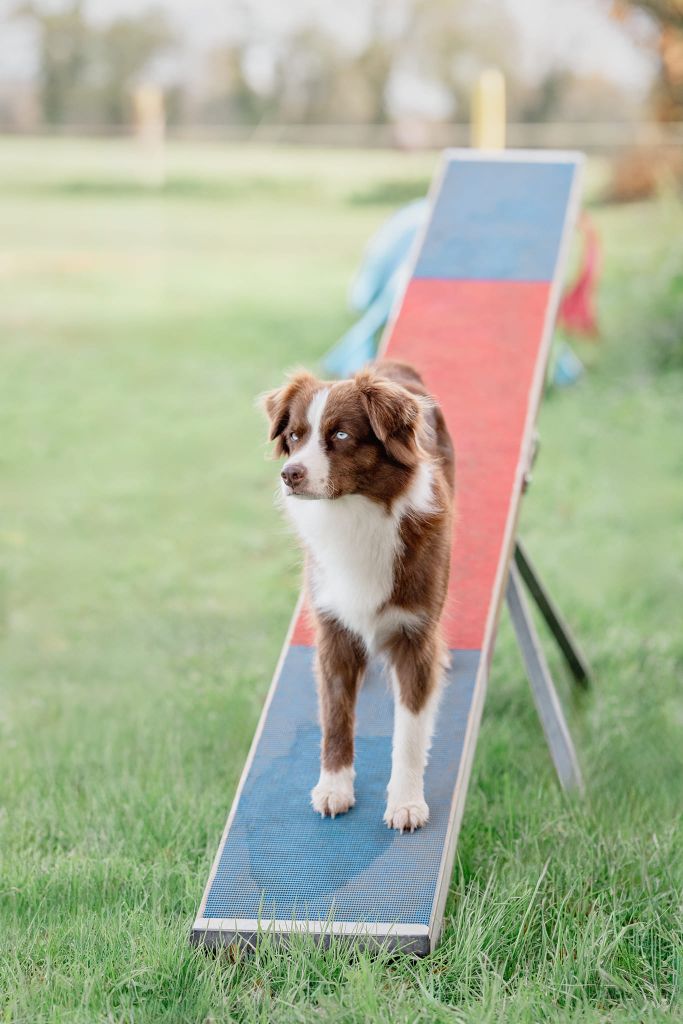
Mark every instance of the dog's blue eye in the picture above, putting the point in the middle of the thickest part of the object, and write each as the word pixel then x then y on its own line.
pixel 293 437
pixel 341 435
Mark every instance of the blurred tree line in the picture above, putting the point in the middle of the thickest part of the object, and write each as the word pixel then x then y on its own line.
pixel 418 59
pixel 668 16
pixel 87 70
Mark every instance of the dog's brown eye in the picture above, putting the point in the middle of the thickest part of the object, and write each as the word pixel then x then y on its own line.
pixel 293 436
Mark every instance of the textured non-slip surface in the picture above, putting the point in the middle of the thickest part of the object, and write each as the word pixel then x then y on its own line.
pixel 474 321
pixel 477 343
pixel 497 221
pixel 282 860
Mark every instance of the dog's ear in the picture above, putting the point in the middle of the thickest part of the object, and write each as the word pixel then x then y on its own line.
pixel 395 416
pixel 277 404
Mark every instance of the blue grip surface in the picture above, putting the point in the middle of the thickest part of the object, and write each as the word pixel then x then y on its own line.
pixel 497 221
pixel 282 860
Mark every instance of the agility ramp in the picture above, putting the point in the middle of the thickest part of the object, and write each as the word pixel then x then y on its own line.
pixel 476 318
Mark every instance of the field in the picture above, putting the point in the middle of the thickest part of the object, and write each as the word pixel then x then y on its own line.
pixel 145 586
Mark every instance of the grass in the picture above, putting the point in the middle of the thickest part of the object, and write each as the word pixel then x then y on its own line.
pixel 145 590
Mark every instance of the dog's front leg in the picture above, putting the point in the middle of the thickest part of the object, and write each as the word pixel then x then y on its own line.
pixel 341 662
pixel 417 667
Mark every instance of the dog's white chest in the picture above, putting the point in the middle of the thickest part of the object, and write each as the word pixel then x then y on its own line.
pixel 354 544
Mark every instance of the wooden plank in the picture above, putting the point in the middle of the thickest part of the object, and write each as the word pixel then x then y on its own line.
pixel 479 329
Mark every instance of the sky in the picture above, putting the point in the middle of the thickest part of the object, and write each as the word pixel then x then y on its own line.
pixel 550 32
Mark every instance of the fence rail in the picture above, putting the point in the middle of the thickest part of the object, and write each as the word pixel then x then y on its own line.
pixel 592 136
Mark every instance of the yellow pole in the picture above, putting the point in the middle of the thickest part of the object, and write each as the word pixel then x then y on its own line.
pixel 488 111
pixel 150 128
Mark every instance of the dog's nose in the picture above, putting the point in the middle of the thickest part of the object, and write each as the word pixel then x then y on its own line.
pixel 293 474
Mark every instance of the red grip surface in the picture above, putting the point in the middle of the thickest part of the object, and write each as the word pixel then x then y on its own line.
pixel 477 344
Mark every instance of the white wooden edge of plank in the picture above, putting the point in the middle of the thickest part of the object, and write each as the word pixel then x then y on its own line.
pixel 240 925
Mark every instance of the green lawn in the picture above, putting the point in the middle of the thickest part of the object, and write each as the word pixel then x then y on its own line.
pixel 145 588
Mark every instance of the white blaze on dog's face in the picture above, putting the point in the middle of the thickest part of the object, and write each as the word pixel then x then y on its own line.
pixel 309 453
pixel 350 437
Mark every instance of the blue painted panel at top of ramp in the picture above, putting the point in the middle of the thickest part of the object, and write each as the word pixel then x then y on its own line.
pixel 497 220
pixel 281 860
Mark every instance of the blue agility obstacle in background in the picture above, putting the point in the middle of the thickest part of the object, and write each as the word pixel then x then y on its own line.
pixel 380 280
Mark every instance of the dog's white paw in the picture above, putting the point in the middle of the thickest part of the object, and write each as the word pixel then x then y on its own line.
pixel 333 794
pixel 406 817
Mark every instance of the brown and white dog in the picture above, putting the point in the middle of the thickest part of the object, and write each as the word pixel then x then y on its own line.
pixel 368 485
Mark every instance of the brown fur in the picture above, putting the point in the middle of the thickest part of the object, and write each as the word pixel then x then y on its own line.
pixel 340 662
pixel 393 424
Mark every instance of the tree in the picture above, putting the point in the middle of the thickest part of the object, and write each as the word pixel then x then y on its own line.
pixel 668 16
pixel 316 79
pixel 666 12
pixel 87 71
pixel 122 51
pixel 64 46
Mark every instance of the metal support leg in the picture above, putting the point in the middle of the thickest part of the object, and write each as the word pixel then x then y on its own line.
pixel 573 655
pixel 542 687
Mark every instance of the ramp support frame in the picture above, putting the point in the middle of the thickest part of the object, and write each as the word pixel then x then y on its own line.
pixel 542 686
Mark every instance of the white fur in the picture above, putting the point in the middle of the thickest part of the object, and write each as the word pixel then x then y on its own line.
pixel 312 455
pixel 334 792
pixel 353 543
pixel 406 807
pixel 419 498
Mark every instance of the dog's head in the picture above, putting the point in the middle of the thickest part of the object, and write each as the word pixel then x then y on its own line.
pixel 358 436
